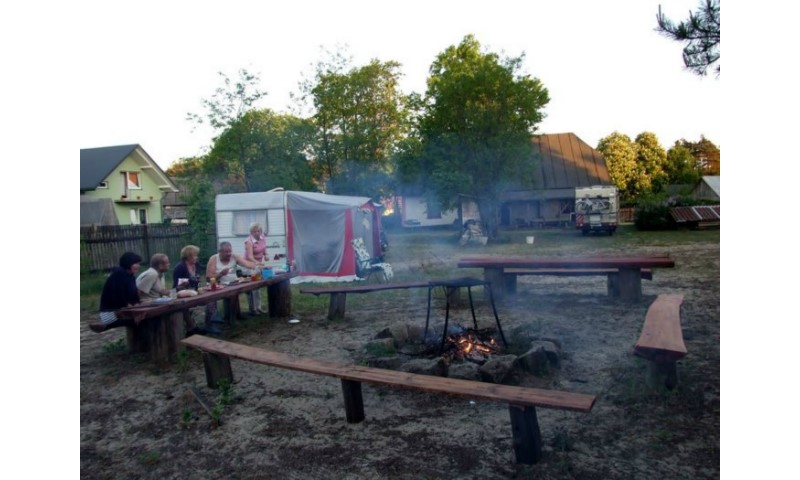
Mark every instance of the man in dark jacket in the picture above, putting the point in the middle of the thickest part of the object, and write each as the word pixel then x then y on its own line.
pixel 119 291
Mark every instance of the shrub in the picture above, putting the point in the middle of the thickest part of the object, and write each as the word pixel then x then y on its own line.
pixel 653 215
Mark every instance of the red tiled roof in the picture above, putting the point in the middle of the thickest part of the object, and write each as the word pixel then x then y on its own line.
pixel 705 213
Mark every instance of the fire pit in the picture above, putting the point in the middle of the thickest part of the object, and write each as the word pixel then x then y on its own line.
pixel 453 284
pixel 472 345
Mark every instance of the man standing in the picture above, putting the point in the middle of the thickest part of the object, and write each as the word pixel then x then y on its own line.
pixel 151 282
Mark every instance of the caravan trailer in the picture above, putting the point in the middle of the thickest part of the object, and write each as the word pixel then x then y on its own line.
pixel 312 229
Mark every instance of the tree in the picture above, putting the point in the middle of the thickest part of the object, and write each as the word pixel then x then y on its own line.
pixel 681 166
pixel 620 155
pixel 359 116
pixel 706 153
pixel 701 33
pixel 263 150
pixel 200 215
pixel 187 167
pixel 651 159
pixel 479 115
pixel 225 109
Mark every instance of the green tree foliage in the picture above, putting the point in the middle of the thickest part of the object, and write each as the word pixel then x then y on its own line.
pixel 620 155
pixel 229 102
pixel 701 34
pixel 359 117
pixel 681 166
pixel 200 215
pixel 188 167
pixel 475 132
pixel 707 155
pixel 651 159
pixel 263 150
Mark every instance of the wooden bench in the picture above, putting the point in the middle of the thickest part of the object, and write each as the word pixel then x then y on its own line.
pixel 612 276
pixel 626 282
pixel 661 341
pixel 338 295
pixel 522 402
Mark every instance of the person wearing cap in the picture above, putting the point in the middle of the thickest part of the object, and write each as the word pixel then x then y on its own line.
pixel 119 291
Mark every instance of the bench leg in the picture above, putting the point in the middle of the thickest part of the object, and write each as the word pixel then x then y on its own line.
pixel 510 283
pixel 279 299
pixel 526 435
pixel 662 374
pixel 496 278
pixel 353 402
pixel 138 339
pixel 613 285
pixel 336 306
pixel 218 367
pixel 630 284
pixel 164 333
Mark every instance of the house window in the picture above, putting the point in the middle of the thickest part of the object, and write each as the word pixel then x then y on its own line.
pixel 132 180
pixel 103 185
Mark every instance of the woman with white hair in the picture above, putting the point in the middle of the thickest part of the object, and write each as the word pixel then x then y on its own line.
pixel 255 250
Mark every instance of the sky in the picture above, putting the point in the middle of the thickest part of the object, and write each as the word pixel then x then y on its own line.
pixel 606 69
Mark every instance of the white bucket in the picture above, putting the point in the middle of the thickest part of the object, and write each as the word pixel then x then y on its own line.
pixel 529 240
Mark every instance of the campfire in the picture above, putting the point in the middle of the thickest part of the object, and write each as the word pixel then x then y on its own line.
pixel 471 344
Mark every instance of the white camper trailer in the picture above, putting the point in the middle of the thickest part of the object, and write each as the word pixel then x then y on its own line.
pixel 312 229
pixel 596 209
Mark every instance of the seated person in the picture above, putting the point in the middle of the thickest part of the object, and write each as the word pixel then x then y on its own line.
pixel 185 276
pixel 119 291
pixel 151 282
pixel 222 266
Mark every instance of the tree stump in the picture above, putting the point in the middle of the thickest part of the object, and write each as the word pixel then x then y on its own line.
pixel 280 299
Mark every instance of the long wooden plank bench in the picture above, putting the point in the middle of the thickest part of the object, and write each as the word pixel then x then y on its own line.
pixel 336 308
pixel 661 341
pixel 522 402
pixel 612 276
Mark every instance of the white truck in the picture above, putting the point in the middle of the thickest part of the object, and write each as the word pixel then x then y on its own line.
pixel 596 209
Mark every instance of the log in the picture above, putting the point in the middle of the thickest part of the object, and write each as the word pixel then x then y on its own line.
pixel 218 367
pixel 280 299
pixel 527 437
pixel 337 306
pixel 353 401
pixel 630 284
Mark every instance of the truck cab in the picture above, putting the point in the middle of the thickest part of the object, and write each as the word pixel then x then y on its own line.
pixel 596 209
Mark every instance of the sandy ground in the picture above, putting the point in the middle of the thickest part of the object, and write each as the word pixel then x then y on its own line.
pixel 139 422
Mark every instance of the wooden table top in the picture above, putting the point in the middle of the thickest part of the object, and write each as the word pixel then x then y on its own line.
pixel 157 308
pixel 637 261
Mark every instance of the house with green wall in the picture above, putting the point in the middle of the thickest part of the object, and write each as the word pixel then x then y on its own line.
pixel 121 185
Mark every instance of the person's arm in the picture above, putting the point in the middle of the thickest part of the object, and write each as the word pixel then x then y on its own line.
pixel 211 269
pixel 248 251
pixel 243 261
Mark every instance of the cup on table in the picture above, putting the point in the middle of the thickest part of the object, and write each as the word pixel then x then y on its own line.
pixel 173 293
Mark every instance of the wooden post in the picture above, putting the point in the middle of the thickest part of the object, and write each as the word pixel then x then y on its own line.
pixel 495 277
pixel 138 339
pixel 662 374
pixel 453 295
pixel 613 285
pixel 218 367
pixel 337 306
pixel 526 435
pixel 630 284
pixel 353 402
pixel 175 332
pixel 280 299
pixel 510 283
pixel 159 341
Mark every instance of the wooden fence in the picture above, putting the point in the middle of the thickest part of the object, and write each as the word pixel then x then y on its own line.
pixel 101 246
pixel 627 214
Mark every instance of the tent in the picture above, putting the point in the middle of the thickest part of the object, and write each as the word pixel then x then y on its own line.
pixel 313 229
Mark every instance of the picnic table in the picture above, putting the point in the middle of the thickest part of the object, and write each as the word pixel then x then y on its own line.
pixel 158 326
pixel 624 272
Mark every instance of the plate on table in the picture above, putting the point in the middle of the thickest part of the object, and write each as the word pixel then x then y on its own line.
pixel 162 300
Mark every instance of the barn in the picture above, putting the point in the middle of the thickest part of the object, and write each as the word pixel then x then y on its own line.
pixel 564 162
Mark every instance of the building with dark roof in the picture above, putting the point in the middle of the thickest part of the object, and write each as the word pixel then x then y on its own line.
pixel 121 185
